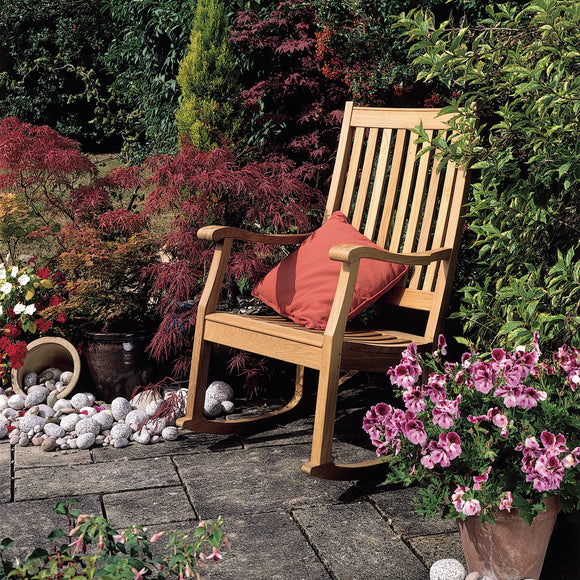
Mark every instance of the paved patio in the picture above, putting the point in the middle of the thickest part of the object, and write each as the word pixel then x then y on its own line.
pixel 282 523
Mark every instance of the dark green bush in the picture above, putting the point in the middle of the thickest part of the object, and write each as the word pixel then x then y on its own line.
pixel 517 74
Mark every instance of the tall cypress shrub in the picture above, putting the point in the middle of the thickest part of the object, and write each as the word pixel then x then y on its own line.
pixel 208 80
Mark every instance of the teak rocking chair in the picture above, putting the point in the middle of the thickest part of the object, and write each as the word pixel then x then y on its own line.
pixel 403 203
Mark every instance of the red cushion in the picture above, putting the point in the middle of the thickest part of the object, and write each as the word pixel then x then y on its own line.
pixel 302 286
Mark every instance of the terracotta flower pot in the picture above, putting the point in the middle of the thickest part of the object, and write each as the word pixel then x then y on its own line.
pixel 508 549
pixel 45 352
pixel 117 362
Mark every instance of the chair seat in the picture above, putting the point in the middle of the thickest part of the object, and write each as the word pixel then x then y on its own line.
pixel 267 335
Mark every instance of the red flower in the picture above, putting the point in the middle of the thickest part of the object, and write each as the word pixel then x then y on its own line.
pixel 55 301
pixel 43 273
pixel 11 331
pixel 61 317
pixel 42 324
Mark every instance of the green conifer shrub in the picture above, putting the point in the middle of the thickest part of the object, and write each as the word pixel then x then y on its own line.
pixel 208 77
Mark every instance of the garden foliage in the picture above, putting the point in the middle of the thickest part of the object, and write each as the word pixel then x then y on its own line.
pixel 207 77
pixel 517 76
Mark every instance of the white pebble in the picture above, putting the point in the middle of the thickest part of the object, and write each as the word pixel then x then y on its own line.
pixel 35 396
pixel 28 422
pixel 170 433
pixel 85 440
pixel 120 407
pixel 10 413
pixel 121 442
pixel 55 431
pixel 79 401
pixel 135 418
pixel 3 402
pixel 155 439
pixel 227 407
pixel 142 437
pixel 447 569
pixel 156 426
pixel 69 422
pixel 120 431
pixel 66 377
pixel 104 419
pixel 63 404
pixel 3 430
pixel 212 408
pixel 153 407
pixel 88 425
pixel 88 411
pixel 220 391
pixel 72 443
pixel 16 402
pixel 46 411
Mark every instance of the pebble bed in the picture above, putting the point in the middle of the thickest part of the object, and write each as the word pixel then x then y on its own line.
pixel 40 418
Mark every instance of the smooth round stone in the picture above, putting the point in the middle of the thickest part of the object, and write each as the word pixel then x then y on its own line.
pixel 121 442
pixel 170 433
pixel 447 569
pixel 153 407
pixel 142 437
pixel 46 411
pixel 50 374
pixel 50 385
pixel 36 396
pixel 55 431
pixel 135 418
pixel 65 377
pixel 79 401
pixel 104 419
pixel 59 387
pixel 33 410
pixel 120 407
pixel 49 444
pixel 23 440
pixel 10 413
pixel 17 402
pixel 227 407
pixel 143 398
pixel 71 443
pixel 4 420
pixel 472 576
pixel 88 411
pixel 88 425
pixel 60 441
pixel 37 440
pixel 63 404
pixel 3 430
pixel 69 422
pixel 120 431
pixel 3 402
pixel 37 428
pixel 212 408
pixel 220 390
pixel 156 426
pixel 155 439
pixel 52 399
pixel 30 379
pixel 85 440
pixel 28 422
pixel 14 437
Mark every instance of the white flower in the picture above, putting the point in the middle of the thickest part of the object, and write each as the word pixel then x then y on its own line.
pixel 2 272
pixel 24 279
pixel 1 310
pixel 6 288
pixel 14 271
pixel 19 308
pixel 30 309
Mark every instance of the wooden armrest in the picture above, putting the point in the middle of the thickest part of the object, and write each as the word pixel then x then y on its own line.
pixel 353 252
pixel 218 233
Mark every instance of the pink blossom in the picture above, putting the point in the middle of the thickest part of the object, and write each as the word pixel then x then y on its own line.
pixel 471 507
pixel 554 443
pixel 457 497
pixel 215 555
pixel 435 387
pixel 414 400
pixel 483 376
pixel 505 503
pixel 404 375
pixel 445 411
pixel 479 479
pixel 414 431
pixel 528 399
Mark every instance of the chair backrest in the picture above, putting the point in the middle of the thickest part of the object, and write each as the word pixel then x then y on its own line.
pixel 402 202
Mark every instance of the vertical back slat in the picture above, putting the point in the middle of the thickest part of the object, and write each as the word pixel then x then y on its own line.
pixel 365 179
pixel 378 184
pixel 404 197
pixel 393 183
pixel 353 170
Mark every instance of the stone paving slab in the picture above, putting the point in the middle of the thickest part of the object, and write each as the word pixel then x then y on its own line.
pixel 33 456
pixel 437 547
pixel 267 546
pixel 114 476
pixel 148 507
pixel 377 553
pixel 30 522
pixel 255 480
pixel 188 443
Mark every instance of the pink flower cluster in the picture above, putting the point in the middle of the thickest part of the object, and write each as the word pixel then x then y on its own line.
pixel 542 464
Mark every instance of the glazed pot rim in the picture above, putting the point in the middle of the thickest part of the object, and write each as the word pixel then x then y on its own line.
pixel 118 336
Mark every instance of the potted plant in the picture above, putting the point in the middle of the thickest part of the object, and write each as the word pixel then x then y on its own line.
pixel 493 440
pixel 94 231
